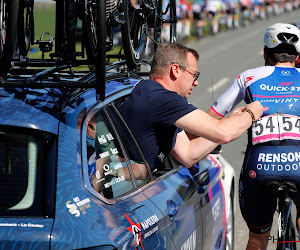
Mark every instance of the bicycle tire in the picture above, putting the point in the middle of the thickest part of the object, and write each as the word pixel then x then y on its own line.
pixel 25 27
pixel 9 10
pixel 134 33
pixel 286 241
pixel 70 26
pixel 165 18
pixel 94 32
pixel 172 21
pixel 292 233
pixel 89 25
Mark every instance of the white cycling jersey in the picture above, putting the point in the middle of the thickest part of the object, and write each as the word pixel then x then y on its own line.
pixel 215 6
pixel 277 84
pixel 273 151
pixel 278 90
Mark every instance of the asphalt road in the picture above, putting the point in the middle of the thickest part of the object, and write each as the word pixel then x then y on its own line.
pixel 222 58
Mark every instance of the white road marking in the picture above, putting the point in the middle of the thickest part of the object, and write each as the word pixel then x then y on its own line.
pixel 218 84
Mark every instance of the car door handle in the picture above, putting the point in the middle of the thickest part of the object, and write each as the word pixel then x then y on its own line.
pixel 172 209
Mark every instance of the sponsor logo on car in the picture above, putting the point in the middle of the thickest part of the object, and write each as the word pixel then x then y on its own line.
pixel 136 230
pixel 80 205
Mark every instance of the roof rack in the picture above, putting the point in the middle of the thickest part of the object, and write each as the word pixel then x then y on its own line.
pixel 60 76
pixel 63 68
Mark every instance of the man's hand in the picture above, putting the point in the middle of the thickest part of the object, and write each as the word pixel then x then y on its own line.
pixel 256 108
pixel 235 112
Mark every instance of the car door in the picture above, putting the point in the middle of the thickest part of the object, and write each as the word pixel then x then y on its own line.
pixel 26 187
pixel 212 202
pixel 176 195
pixel 111 173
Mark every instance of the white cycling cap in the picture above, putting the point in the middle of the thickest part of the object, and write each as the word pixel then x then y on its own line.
pixel 282 33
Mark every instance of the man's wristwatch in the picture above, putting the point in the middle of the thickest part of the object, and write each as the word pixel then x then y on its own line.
pixel 251 114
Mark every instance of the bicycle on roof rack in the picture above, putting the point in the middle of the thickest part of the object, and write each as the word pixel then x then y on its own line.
pixel 139 21
pixel 286 229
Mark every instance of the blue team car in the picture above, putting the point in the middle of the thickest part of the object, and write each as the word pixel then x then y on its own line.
pixel 67 179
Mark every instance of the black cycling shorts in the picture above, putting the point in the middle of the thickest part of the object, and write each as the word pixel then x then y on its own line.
pixel 263 164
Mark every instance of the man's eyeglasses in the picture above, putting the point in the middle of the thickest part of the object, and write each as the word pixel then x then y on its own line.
pixel 195 75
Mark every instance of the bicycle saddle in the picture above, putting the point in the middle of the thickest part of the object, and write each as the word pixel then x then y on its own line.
pixel 276 187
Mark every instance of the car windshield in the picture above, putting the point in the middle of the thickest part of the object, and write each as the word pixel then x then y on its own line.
pixel 24 161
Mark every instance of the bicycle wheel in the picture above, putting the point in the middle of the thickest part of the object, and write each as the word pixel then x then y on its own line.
pixel 287 235
pixel 25 26
pixel 169 21
pixel 70 27
pixel 94 32
pixel 8 30
pixel 134 33
pixel 291 233
pixel 89 25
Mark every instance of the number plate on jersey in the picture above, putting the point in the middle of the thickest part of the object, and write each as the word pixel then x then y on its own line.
pixel 276 127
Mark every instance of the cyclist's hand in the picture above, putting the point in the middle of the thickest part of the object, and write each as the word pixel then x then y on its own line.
pixel 256 108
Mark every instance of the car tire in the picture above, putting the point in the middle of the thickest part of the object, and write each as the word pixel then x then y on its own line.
pixel 229 239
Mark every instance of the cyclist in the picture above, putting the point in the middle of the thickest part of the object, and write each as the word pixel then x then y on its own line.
pixel 273 146
pixel 157 111
pixel 214 10
pixel 198 8
pixel 188 17
pixel 232 9
pixel 247 13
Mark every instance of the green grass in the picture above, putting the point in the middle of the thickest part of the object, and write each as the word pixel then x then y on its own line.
pixel 44 16
pixel 44 19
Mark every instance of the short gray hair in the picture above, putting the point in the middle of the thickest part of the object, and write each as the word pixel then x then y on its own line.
pixel 167 54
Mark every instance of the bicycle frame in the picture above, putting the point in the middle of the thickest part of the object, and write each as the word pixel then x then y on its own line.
pixel 286 229
pixel 284 222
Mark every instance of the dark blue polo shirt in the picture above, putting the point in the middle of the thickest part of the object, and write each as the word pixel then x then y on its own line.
pixel 150 112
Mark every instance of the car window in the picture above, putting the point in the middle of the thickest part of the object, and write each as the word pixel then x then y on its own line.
pixel 115 164
pixel 23 163
pixel 204 164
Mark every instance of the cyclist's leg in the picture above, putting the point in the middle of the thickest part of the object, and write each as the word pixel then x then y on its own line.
pixel 258 241
pixel 257 206
pixel 298 219
pixel 236 17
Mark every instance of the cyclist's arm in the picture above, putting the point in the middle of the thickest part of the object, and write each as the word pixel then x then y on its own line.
pixel 218 116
